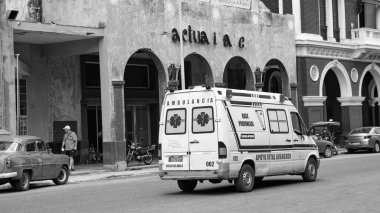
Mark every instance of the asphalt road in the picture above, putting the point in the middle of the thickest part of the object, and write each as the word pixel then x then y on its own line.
pixel 346 183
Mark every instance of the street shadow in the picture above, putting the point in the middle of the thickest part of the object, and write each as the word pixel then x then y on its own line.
pixel 218 189
pixel 366 152
pixel 7 188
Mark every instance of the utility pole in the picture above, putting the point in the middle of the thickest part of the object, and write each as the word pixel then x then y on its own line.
pixel 183 86
pixel 17 97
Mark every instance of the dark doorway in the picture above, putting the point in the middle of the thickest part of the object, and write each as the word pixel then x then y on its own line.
pixel 197 71
pixel 238 75
pixel 94 128
pixel 370 109
pixel 141 96
pixel 273 82
pixel 331 89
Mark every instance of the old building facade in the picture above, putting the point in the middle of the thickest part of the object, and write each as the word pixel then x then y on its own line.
pixel 338 55
pixel 101 66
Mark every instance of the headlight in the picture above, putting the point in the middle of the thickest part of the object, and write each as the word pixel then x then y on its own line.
pixel 8 163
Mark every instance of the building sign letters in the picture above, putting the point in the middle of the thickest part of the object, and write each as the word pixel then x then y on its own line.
pixel 200 37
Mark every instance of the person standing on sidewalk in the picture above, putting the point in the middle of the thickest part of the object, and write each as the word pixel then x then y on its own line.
pixel 69 145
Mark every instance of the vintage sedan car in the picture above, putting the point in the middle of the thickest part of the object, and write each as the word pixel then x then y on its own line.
pixel 363 138
pixel 324 135
pixel 27 158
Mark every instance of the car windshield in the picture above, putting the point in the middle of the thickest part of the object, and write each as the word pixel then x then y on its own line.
pixel 7 146
pixel 361 130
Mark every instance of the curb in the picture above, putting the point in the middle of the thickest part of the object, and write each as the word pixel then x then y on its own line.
pixel 102 171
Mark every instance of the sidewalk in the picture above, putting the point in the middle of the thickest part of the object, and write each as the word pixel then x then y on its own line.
pixel 89 172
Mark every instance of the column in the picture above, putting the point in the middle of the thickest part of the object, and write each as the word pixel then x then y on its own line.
pixel 7 75
pixel 329 21
pixel 352 115
pixel 113 118
pixel 342 19
pixel 314 106
pixel 280 6
pixel 296 5
pixel 294 94
pixel 378 17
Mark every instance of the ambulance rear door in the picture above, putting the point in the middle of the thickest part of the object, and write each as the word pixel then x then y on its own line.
pixel 175 135
pixel 203 137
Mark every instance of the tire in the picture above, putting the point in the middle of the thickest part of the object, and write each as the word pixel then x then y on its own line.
pixel 187 185
pixel 23 183
pixel 148 160
pixel 376 148
pixel 311 171
pixel 129 156
pixel 350 151
pixel 246 179
pixel 328 152
pixel 63 176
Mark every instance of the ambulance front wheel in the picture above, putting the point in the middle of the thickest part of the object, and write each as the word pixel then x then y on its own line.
pixel 246 179
pixel 187 185
pixel 311 171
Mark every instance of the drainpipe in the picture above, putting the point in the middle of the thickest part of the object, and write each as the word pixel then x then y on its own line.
pixel 18 97
pixel 183 86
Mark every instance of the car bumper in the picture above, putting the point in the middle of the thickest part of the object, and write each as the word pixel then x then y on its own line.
pixel 8 175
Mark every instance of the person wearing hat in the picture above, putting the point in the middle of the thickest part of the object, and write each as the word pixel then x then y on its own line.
pixel 69 145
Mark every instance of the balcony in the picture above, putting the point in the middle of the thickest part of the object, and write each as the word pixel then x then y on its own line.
pixel 365 36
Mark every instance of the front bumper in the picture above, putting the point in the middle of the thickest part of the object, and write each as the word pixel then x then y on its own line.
pixel 8 175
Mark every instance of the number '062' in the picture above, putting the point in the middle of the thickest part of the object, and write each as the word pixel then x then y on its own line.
pixel 210 163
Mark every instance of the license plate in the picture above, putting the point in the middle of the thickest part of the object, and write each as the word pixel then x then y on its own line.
pixel 176 158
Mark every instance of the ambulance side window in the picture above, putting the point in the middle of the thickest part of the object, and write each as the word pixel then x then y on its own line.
pixel 203 120
pixel 298 125
pixel 175 121
pixel 278 121
pixel 260 115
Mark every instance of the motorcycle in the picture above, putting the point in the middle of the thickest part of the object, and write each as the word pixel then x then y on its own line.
pixel 141 154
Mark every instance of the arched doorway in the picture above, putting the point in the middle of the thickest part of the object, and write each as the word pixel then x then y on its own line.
pixel 144 76
pixel 276 77
pixel 369 91
pixel 369 86
pixel 331 90
pixel 197 71
pixel 238 74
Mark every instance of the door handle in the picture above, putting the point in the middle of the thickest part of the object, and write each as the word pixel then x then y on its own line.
pixel 295 140
pixel 288 140
pixel 194 141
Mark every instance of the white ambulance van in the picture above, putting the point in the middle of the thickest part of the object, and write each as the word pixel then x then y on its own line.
pixel 220 134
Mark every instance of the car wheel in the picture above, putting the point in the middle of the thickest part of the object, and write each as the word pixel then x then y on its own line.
pixel 23 183
pixel 311 171
pixel 62 177
pixel 187 185
pixel 350 151
pixel 376 148
pixel 246 179
pixel 328 152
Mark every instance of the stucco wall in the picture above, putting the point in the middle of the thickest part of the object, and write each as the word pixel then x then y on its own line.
pixel 53 90
pixel 87 13
pixel 137 24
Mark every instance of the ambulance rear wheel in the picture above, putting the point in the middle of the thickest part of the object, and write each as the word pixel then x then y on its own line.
pixel 246 179
pixel 311 171
pixel 187 185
